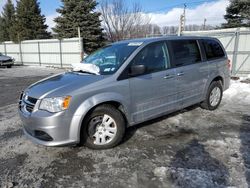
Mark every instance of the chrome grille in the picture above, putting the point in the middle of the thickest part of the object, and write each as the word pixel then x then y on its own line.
pixel 27 103
pixel 29 107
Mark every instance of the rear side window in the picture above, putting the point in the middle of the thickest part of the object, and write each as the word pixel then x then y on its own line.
pixel 185 52
pixel 213 49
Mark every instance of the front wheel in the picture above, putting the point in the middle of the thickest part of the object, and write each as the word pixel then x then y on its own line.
pixel 213 97
pixel 104 128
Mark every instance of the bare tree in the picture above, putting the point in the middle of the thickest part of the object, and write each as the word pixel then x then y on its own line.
pixel 120 21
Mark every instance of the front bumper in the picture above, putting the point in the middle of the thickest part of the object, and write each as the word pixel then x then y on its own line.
pixel 5 63
pixel 50 129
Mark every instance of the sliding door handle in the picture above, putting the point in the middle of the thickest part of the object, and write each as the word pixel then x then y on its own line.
pixel 180 74
pixel 168 76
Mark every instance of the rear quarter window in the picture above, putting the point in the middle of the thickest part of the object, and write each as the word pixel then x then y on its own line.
pixel 213 49
pixel 185 52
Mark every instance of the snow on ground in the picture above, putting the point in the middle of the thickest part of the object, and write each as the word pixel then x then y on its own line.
pixel 28 71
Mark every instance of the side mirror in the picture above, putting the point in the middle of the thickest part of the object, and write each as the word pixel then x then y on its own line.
pixel 136 70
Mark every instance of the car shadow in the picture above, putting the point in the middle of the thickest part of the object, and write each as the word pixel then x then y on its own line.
pixel 132 130
pixel 245 145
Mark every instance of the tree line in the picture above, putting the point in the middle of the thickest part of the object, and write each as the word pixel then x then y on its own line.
pixel 111 20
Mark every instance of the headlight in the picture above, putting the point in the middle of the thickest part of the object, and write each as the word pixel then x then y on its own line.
pixel 56 104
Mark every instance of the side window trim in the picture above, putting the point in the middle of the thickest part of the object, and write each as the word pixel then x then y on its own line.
pixel 167 54
pixel 202 50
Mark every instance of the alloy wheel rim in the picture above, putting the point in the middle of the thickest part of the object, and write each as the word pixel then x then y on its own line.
pixel 215 96
pixel 103 129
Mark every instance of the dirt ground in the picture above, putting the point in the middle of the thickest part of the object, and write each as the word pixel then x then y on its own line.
pixel 189 148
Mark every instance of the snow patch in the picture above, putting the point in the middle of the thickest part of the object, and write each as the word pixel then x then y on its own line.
pixel 160 172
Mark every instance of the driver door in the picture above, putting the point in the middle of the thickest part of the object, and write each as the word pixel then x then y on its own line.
pixel 153 93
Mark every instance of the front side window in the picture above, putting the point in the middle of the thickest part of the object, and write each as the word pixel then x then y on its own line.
pixel 154 57
pixel 185 52
pixel 213 49
pixel 110 58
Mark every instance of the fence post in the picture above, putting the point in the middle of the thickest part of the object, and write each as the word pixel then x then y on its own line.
pixel 60 48
pixel 235 53
pixel 20 52
pixel 80 44
pixel 39 53
pixel 5 51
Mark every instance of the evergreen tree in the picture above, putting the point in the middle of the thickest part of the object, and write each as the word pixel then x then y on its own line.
pixel 7 21
pixel 30 24
pixel 3 32
pixel 80 13
pixel 238 14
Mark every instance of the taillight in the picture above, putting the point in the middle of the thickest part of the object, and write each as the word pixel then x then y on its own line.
pixel 229 64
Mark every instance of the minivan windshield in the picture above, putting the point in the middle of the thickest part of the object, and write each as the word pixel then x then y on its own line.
pixel 110 58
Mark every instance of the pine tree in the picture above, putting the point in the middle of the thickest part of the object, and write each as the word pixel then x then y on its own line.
pixel 7 21
pixel 3 32
pixel 30 23
pixel 238 14
pixel 80 13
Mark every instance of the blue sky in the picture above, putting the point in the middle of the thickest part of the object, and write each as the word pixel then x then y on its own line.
pixel 161 12
pixel 49 6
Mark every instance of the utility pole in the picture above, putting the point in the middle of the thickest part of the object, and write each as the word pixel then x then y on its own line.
pixel 204 24
pixel 184 15
pixel 181 25
pixel 182 21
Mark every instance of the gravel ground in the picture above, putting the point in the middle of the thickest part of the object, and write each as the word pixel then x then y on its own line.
pixel 189 148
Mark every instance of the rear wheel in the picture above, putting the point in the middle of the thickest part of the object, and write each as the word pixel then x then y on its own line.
pixel 213 97
pixel 9 66
pixel 104 128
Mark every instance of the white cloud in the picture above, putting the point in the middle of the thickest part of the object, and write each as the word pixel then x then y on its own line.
pixel 50 21
pixel 212 11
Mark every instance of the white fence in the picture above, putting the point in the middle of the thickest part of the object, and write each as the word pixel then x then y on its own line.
pixel 237 44
pixel 52 52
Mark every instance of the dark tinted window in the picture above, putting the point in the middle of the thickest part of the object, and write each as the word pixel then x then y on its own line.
pixel 154 57
pixel 213 49
pixel 185 52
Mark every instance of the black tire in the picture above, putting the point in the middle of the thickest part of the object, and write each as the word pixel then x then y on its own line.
pixel 9 66
pixel 88 140
pixel 206 103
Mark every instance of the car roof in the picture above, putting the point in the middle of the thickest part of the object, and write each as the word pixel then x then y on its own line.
pixel 156 39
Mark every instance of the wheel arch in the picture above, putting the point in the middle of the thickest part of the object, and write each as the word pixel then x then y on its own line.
pixel 218 78
pixel 93 102
pixel 210 81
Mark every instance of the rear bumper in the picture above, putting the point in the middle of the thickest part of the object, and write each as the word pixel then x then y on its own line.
pixel 50 129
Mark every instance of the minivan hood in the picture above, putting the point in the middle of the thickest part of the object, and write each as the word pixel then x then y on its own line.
pixel 65 83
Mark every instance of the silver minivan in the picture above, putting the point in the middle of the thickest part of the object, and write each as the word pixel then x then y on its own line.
pixel 121 85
